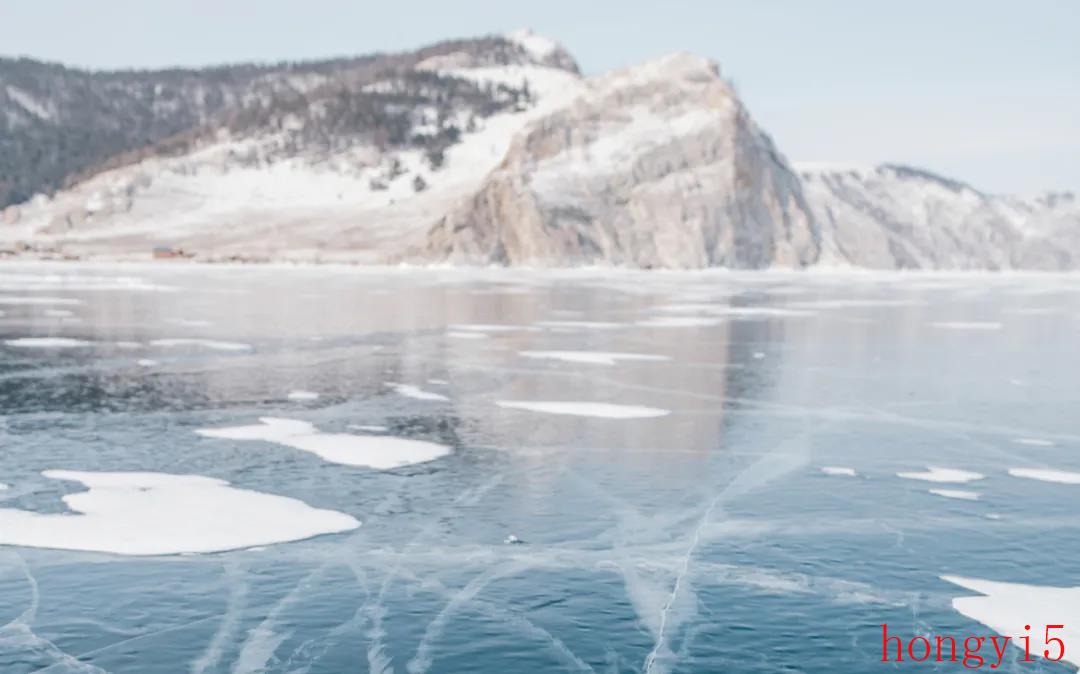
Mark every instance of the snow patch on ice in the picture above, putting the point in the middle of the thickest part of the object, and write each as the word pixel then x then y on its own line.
pixel 956 493
pixel 1046 475
pixel 146 362
pixel 967 325
pixel 466 335
pixel 378 452
pixel 58 313
pixel 303 395
pixel 933 474
pixel 1034 442
pixel 216 345
pixel 164 514
pixel 410 391
pixel 585 409
pixel 46 342
pixel 839 471
pixel 1007 607
pixel 591 357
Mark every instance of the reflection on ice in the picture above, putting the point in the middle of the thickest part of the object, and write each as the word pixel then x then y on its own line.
pixel 585 409
pixel 379 452
pixel 163 514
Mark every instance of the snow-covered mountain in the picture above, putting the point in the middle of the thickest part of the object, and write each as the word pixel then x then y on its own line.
pixel 491 150
pixel 898 217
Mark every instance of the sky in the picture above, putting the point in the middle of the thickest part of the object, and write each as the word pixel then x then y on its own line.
pixel 985 91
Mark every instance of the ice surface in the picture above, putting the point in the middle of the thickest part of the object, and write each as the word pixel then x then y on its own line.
pixel 957 494
pixel 410 391
pixel 47 342
pixel 379 452
pixel 58 313
pixel 164 514
pixel 1033 442
pixel 3 486
pixel 839 470
pixel 303 395
pixel 585 409
pixel 933 474
pixel 588 325
pixel 1046 475
pixel 371 428
pixel 7 299
pixel 190 322
pixel 1007 607
pixel 967 325
pixel 488 327
pixel 146 362
pixel 591 357
pixel 128 345
pixel 202 343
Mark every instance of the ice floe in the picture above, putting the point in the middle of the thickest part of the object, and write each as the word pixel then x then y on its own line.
pixel 592 357
pixel 1007 607
pixel 1034 442
pixel 1046 475
pixel 201 343
pixel 967 325
pixel 39 301
pixel 379 452
pixel 165 514
pixel 303 395
pixel 933 474
pixel 410 391
pixel 46 342
pixel 839 471
pixel 961 494
pixel 585 409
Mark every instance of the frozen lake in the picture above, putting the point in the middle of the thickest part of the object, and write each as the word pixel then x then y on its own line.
pixel 321 470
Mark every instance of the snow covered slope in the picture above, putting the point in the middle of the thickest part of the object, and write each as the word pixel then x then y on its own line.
pixel 897 217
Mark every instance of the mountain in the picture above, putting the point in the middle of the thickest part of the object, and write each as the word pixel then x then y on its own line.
pixel 493 150
pixel 898 217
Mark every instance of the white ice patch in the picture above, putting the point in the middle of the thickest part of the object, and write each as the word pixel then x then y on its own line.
pixel 438 382
pixel 585 325
pixel 839 471
pixel 488 327
pixel 585 409
pixel 128 345
pixel 201 343
pixel 146 362
pixel 957 494
pixel 163 514
pixel 679 322
pixel 303 395
pixel 371 428
pixel 43 301
pixel 1033 442
pixel 591 357
pixel 454 334
pixel 58 313
pixel 933 474
pixel 47 342
pixel 3 486
pixel 1046 475
pixel 190 323
pixel 1007 607
pixel 967 325
pixel 734 312
pixel 410 391
pixel 380 453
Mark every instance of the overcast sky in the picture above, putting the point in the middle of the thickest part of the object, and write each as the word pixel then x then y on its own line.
pixel 987 91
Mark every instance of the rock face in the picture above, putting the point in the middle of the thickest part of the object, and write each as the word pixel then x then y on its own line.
pixel 654 166
pixel 898 217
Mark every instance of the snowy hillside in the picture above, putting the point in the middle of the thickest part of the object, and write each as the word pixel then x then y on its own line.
pixel 898 217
